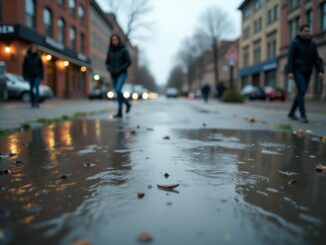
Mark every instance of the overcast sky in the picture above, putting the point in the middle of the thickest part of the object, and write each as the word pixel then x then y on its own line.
pixel 174 21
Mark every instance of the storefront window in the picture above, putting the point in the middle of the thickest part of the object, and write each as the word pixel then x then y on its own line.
pixel 61 30
pixel 47 18
pixel 30 13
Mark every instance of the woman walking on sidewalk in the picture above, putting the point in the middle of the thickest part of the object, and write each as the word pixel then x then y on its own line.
pixel 117 62
pixel 33 72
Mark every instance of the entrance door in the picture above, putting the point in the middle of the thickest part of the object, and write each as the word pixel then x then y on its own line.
pixel 256 79
pixel 51 76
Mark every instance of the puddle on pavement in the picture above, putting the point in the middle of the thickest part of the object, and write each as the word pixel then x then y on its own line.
pixel 80 180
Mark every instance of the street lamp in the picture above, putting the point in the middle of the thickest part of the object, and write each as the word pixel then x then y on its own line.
pixel 96 77
pixel 7 49
pixel 83 69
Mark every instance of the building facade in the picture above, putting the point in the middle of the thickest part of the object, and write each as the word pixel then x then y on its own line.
pixel 60 29
pixel 294 14
pixel 260 42
pixel 101 30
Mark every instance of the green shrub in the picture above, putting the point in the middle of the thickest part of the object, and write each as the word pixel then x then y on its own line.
pixel 25 126
pixel 232 96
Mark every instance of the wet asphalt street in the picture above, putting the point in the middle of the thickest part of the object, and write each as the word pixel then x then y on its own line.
pixel 239 182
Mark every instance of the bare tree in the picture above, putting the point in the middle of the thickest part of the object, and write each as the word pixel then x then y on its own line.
pixel 215 25
pixel 133 16
pixel 176 77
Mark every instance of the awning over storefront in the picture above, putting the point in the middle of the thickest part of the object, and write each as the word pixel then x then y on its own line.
pixel 262 67
pixel 46 44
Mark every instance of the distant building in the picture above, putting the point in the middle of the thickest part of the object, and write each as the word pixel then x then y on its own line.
pixel 260 42
pixel 101 30
pixel 224 66
pixel 61 31
pixel 294 14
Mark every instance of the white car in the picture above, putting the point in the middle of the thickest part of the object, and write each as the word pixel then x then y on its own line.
pixel 17 88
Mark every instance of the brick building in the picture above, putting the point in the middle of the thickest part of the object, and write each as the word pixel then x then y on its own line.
pixel 60 28
pixel 295 13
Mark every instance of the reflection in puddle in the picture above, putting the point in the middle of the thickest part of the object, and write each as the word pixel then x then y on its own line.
pixel 233 186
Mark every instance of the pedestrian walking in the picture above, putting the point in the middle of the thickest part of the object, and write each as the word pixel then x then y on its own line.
pixel 205 90
pixel 303 55
pixel 117 62
pixel 220 88
pixel 33 72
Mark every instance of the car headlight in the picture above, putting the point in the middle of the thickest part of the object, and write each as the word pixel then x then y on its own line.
pixel 126 95
pixel 145 96
pixel 110 95
pixel 135 96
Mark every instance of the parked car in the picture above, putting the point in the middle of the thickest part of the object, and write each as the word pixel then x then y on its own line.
pixel 252 92
pixel 17 88
pixel 172 92
pixel 99 92
pixel 274 93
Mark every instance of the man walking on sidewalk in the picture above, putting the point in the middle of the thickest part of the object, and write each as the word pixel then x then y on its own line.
pixel 303 56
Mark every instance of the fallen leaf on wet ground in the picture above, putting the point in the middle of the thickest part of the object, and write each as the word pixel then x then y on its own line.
pixel 166 175
pixel 167 187
pixel 150 129
pixel 166 137
pixel 251 119
pixel 300 133
pixel 145 237
pixel 132 132
pixel 82 242
pixel 270 125
pixel 140 195
pixel 293 182
pixel 320 168
pixel 64 176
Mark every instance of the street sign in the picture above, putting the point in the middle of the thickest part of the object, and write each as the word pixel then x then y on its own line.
pixel 232 54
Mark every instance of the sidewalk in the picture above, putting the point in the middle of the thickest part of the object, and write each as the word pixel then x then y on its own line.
pixel 14 114
pixel 267 116
pixel 311 106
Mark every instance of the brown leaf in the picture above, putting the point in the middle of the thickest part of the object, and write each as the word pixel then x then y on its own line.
pixel 82 242
pixel 140 195
pixel 251 119
pixel 169 187
pixel 166 137
pixel 145 237
pixel 320 168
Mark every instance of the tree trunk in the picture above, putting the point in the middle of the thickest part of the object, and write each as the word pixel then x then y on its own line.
pixel 215 53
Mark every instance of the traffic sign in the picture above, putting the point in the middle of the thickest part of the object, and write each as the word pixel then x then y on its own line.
pixel 232 54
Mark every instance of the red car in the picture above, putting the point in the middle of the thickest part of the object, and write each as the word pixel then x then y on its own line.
pixel 273 93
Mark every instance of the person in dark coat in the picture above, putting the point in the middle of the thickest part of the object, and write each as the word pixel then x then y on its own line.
pixel 33 72
pixel 303 56
pixel 117 62
pixel 205 90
